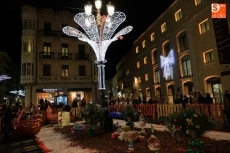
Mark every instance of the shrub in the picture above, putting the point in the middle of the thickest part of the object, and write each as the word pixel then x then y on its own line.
pixel 189 121
pixel 130 114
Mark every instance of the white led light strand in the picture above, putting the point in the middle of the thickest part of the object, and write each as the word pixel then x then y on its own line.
pixel 4 77
pixel 166 64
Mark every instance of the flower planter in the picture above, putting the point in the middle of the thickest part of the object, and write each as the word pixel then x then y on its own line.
pixel 26 127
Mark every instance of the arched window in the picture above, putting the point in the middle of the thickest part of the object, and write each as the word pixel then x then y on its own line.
pixel 33 24
pixel 30 24
pixel 25 24
pixel 186 67
pixel 182 41
pixel 166 48
pixel 24 46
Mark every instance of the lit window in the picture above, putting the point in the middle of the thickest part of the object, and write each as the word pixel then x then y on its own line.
pixel 143 44
pixel 138 65
pixel 65 50
pixel 146 77
pixel 163 27
pixel 65 70
pixel 166 49
pixel 186 67
pixel 178 15
pixel 139 79
pixel 145 60
pixel 154 56
pixel 157 76
pixel 198 2
pixel 204 26
pixel 152 37
pixel 208 56
pixel 137 50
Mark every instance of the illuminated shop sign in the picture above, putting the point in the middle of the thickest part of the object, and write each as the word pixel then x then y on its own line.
pixel 166 64
pixel 50 90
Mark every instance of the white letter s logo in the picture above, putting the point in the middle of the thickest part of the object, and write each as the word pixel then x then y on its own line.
pixel 215 8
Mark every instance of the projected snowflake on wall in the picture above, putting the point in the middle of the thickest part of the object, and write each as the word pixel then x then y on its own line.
pixel 166 64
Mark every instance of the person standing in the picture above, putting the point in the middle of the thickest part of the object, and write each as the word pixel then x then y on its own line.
pixel 227 104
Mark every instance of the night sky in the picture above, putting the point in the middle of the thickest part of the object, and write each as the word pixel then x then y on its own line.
pixel 139 13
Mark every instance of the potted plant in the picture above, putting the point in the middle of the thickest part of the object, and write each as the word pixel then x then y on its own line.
pixel 92 116
pixel 130 115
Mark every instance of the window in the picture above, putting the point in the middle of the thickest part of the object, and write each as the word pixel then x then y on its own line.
pixel 186 68
pixel 143 44
pixel 81 51
pixel 155 59
pixel 138 65
pixel 152 37
pixel 170 73
pixel 24 69
pixel 166 49
pixel 157 76
pixel 46 70
pixel 198 2
pixel 163 27
pixel 64 49
pixel 146 77
pixel 30 46
pixel 178 15
pixel 137 50
pixel 145 60
pixel 183 43
pixel 27 69
pixel 46 48
pixel 65 70
pixel 208 56
pixel 82 71
pixel 204 26
pixel 139 79
pixel 127 72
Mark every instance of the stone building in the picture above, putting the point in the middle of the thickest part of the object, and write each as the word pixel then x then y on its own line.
pixel 7 67
pixel 183 51
pixel 55 66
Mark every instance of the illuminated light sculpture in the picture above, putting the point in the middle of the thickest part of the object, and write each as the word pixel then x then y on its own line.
pixel 99 33
pixel 166 64
pixel 4 77
pixel 19 92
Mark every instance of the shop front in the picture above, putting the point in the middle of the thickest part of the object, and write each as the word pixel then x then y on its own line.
pixel 52 95
pixel 79 94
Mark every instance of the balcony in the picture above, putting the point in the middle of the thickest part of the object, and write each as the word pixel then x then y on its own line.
pixel 65 56
pixel 45 55
pixel 27 79
pixel 52 34
pixel 82 56
pixel 66 79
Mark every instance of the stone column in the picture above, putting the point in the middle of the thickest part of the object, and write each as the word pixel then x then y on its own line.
pixel 27 95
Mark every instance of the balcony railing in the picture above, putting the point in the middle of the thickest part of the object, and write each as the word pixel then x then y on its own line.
pixel 64 79
pixel 65 56
pixel 46 55
pixel 82 56
pixel 52 34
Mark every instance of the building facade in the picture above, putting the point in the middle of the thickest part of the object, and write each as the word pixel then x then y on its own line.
pixel 55 66
pixel 7 67
pixel 183 51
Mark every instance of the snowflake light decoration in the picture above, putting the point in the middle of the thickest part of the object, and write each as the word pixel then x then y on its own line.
pixel 99 37
pixel 166 64
pixel 4 77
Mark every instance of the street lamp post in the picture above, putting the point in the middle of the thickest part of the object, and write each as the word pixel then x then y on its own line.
pixel 99 32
